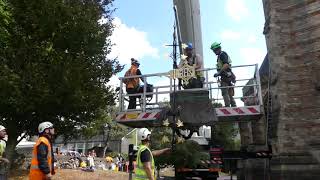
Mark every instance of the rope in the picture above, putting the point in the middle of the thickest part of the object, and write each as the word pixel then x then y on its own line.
pixel 268 119
pixel 218 88
pixel 269 107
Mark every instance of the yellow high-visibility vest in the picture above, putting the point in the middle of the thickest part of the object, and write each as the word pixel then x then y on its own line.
pixel 140 172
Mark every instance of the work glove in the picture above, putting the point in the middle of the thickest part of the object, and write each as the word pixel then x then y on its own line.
pixel 5 160
pixel 229 74
pixel 48 177
pixel 216 74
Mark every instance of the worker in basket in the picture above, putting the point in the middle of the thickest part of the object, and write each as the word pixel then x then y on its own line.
pixel 193 59
pixel 226 74
pixel 133 84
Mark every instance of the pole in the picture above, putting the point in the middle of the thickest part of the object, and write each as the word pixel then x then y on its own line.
pixel 175 34
pixel 173 109
pixel 131 154
pixel 178 28
pixel 136 136
pixel 121 98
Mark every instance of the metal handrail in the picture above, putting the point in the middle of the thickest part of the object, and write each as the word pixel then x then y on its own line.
pixel 167 89
pixel 145 75
pixel 167 73
pixel 239 97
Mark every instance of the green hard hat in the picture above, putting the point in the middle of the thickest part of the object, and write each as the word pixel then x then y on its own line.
pixel 215 45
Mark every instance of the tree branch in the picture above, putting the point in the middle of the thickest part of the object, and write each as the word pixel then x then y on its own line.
pixel 22 137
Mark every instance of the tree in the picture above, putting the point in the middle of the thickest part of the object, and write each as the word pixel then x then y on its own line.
pixel 5 19
pixel 97 127
pixel 107 127
pixel 188 153
pixel 161 137
pixel 53 66
pixel 225 134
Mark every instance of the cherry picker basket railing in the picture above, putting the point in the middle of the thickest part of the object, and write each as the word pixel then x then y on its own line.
pixel 152 107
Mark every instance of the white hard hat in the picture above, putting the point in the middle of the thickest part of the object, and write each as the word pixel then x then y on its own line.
pixel 2 128
pixel 44 125
pixel 143 134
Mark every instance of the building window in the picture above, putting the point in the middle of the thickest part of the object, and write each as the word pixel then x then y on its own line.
pixel 97 144
pixel 71 147
pixel 90 145
pixel 81 147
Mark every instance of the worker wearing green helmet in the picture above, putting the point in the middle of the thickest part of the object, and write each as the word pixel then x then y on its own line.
pixel 225 73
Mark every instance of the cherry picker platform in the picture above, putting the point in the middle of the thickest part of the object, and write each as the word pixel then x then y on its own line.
pixel 194 107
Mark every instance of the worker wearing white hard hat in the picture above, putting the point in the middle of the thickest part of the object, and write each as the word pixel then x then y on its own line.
pixel 42 154
pixel 3 161
pixel 145 162
pixel 3 133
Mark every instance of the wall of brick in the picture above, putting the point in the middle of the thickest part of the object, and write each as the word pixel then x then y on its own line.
pixel 292 31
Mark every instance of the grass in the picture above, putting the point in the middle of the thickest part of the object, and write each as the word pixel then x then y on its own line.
pixel 68 174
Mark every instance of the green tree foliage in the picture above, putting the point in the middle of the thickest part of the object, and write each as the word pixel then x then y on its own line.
pixel 188 155
pixel 161 138
pixel 5 20
pixel 225 134
pixel 54 66
pixel 115 131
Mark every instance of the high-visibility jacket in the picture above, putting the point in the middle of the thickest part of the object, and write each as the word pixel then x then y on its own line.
pixel 140 171
pixel 35 172
pixel 220 62
pixel 2 147
pixel 227 76
pixel 132 82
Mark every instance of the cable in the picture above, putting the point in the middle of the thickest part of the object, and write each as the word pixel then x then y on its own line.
pixel 218 88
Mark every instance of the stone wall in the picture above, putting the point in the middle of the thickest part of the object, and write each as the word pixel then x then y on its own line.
pixel 292 31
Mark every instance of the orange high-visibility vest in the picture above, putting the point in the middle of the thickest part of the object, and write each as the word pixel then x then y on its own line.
pixel 35 172
pixel 132 82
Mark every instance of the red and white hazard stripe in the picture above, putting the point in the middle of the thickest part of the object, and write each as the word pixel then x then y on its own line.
pixel 149 115
pixel 216 162
pixel 236 111
pixel 138 115
pixel 262 154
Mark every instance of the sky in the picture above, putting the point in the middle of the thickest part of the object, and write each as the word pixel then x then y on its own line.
pixel 143 27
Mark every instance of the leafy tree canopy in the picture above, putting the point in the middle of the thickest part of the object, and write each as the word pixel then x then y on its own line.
pixel 53 64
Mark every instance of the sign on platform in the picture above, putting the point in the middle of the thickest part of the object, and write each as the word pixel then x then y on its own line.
pixel 132 115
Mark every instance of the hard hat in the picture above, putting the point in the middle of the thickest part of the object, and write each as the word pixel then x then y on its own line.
pixel 134 61
pixel 44 125
pixel 215 45
pixel 2 128
pixel 143 133
pixel 189 46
